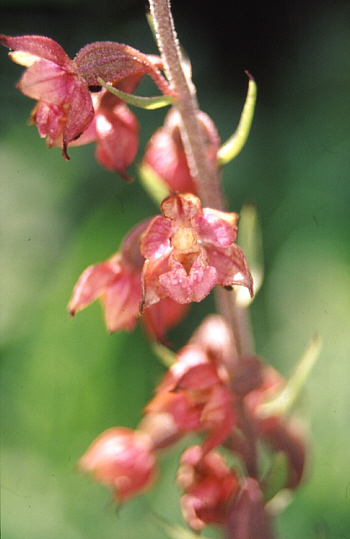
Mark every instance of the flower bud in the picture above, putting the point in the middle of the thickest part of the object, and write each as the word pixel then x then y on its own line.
pixel 123 459
pixel 165 152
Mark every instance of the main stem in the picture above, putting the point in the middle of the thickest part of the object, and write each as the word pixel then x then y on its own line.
pixel 205 175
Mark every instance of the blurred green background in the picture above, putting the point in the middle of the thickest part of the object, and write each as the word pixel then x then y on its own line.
pixel 65 381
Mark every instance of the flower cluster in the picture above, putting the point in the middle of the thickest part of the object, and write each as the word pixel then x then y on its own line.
pixel 213 388
pixel 207 391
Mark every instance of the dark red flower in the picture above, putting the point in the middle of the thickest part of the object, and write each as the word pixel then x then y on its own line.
pixel 209 487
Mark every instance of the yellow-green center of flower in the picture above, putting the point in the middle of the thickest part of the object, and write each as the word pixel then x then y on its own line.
pixel 183 239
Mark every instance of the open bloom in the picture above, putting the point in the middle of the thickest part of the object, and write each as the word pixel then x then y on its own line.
pixel 62 86
pixel 189 250
pixel 209 487
pixel 117 282
pixel 122 459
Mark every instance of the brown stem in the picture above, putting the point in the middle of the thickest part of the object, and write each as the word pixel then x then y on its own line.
pixel 205 176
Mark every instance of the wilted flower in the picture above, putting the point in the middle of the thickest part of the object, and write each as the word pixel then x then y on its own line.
pixel 247 517
pixel 209 487
pixel 122 459
pixel 191 397
pixel 189 250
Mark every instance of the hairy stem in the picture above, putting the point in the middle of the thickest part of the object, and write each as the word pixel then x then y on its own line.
pixel 204 175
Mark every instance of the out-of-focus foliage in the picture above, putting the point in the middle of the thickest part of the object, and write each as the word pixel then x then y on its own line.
pixel 64 381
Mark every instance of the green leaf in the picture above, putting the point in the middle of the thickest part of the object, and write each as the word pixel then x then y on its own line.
pixel 250 239
pixel 287 397
pixel 235 143
pixel 153 184
pixel 166 356
pixel 277 476
pixel 147 103
pixel 150 21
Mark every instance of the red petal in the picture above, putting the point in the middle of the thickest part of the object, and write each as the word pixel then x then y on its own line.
pixel 213 228
pixel 161 316
pixel 80 115
pixel 117 139
pixel 166 155
pixel 121 301
pixel 199 377
pixel 231 266
pixel 155 243
pixel 40 46
pixel 47 82
pixel 152 289
pixel 91 284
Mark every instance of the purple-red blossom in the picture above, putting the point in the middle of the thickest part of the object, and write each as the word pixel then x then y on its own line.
pixel 209 487
pixel 64 108
pixel 189 250
pixel 62 86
